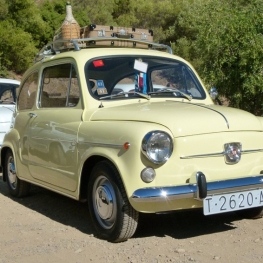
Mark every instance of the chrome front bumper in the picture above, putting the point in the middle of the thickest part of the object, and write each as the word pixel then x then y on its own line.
pixel 199 190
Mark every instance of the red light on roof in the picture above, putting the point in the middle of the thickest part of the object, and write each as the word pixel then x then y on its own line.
pixel 98 63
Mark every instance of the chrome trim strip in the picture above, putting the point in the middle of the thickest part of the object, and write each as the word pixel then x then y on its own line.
pixel 53 140
pixel 217 154
pixel 203 106
pixel 103 144
pixel 202 155
pixel 169 193
pixel 252 151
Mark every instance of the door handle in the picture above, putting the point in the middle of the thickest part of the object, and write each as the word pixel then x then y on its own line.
pixel 32 115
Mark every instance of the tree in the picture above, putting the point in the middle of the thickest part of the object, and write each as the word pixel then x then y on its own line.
pixel 131 13
pixel 3 10
pixel 24 14
pixel 96 11
pixel 17 48
pixel 228 44
pixel 54 13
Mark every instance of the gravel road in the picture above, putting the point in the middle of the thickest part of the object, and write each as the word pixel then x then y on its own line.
pixel 47 227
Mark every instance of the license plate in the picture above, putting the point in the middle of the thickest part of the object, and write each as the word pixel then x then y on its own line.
pixel 218 204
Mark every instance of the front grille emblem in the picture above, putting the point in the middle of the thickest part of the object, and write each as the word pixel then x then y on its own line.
pixel 233 152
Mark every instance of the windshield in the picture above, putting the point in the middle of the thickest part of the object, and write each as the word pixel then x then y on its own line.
pixel 129 77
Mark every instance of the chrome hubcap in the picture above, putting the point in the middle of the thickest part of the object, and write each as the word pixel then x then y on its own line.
pixel 11 173
pixel 104 202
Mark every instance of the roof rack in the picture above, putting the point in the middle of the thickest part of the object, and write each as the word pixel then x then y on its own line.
pixel 61 45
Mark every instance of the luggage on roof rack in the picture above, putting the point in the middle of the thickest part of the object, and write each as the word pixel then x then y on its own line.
pixel 99 36
pixel 93 30
pixel 102 31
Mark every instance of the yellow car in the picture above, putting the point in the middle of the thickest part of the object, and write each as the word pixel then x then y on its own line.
pixel 130 130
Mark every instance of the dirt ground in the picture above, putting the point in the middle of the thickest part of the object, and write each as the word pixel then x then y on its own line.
pixel 47 227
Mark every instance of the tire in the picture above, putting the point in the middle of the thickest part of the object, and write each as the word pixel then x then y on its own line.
pixel 16 187
pixel 112 216
pixel 251 213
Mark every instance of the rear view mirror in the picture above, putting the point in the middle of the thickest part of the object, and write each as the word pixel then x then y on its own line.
pixel 213 93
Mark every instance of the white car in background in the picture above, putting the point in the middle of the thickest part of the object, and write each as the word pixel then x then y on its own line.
pixel 8 91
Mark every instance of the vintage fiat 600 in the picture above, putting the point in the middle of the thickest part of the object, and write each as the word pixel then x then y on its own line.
pixel 130 129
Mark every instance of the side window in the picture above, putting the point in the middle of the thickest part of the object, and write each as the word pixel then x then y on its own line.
pixel 60 87
pixel 7 96
pixel 27 95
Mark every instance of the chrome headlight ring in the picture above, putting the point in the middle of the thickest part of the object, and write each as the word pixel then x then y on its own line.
pixel 157 146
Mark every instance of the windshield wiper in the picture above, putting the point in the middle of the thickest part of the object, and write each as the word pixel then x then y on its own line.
pixel 145 96
pixel 126 94
pixel 173 91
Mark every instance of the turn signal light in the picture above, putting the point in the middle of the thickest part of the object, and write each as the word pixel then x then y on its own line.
pixel 126 145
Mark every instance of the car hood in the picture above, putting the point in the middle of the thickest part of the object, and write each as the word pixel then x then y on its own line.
pixel 183 118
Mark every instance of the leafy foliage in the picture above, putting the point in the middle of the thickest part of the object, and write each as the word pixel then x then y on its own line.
pixel 17 48
pixel 96 12
pixel 3 10
pixel 226 45
pixel 24 14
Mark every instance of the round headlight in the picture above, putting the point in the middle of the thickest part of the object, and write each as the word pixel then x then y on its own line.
pixel 157 146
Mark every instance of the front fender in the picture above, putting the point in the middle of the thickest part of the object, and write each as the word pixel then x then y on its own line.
pixel 260 120
pixel 11 141
pixel 107 138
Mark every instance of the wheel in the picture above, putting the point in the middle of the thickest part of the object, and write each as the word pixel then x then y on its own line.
pixel 251 213
pixel 111 214
pixel 17 187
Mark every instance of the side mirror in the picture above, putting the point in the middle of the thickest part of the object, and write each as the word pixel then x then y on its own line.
pixel 213 93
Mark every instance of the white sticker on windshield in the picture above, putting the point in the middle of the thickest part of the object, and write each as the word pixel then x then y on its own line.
pixel 140 66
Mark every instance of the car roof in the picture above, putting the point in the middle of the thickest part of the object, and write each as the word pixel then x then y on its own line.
pixel 9 81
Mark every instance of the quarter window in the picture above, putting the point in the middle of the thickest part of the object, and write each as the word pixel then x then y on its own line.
pixel 27 96
pixel 60 87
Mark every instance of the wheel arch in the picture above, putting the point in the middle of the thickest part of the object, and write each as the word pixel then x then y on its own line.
pixel 86 170
pixel 4 151
pixel 11 142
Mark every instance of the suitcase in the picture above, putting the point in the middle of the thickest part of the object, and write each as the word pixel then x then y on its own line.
pixel 100 31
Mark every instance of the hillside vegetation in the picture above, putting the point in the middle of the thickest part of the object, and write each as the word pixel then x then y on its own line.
pixel 221 38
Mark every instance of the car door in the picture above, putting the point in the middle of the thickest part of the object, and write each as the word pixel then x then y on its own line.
pixel 24 115
pixel 53 133
pixel 52 126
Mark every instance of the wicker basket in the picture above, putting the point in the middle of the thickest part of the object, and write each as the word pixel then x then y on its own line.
pixel 69 29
